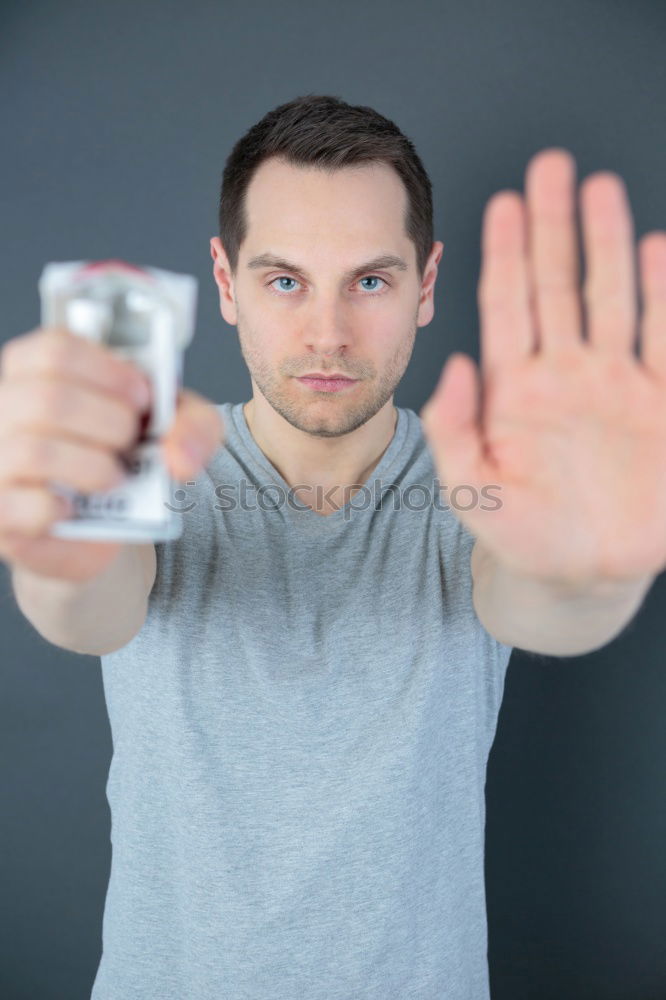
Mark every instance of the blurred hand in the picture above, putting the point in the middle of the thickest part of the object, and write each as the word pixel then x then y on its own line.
pixel 69 407
pixel 572 429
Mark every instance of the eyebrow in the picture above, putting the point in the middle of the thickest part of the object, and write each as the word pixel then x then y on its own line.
pixel 383 262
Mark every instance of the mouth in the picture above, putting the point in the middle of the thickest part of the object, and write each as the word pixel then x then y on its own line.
pixel 326 383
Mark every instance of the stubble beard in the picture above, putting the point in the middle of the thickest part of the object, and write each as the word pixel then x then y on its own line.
pixel 346 412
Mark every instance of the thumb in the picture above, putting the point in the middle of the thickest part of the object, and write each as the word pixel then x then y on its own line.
pixel 196 433
pixel 451 423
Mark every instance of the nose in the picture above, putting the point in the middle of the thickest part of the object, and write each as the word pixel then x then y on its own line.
pixel 325 329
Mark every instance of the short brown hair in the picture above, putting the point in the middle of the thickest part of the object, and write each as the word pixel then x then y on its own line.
pixel 326 132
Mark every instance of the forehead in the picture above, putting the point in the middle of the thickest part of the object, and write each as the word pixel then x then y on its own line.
pixel 363 205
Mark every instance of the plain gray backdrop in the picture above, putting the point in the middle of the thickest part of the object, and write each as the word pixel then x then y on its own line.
pixel 116 119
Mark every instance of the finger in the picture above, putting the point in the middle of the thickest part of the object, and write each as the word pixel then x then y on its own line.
pixel 53 351
pixel 451 423
pixel 30 510
pixel 652 261
pixel 33 459
pixel 609 290
pixel 553 253
pixel 57 407
pixel 48 555
pixel 507 332
pixel 195 435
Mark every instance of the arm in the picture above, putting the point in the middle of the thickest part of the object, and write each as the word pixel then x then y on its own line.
pixel 95 617
pixel 551 618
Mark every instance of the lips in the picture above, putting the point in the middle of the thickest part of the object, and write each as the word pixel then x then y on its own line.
pixel 327 383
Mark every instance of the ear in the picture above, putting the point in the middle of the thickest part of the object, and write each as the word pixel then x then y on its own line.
pixel 426 309
pixel 224 281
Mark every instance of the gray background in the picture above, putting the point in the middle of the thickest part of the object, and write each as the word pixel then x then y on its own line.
pixel 117 119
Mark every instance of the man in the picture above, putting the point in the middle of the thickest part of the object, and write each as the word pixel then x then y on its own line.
pixel 303 689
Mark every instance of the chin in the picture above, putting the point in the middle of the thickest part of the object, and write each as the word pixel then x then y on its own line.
pixel 335 421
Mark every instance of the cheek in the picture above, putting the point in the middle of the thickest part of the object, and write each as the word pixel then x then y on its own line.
pixel 386 338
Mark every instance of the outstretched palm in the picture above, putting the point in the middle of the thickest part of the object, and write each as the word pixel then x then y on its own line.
pixel 570 431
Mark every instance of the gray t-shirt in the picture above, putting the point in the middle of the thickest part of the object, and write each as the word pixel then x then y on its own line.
pixel 301 730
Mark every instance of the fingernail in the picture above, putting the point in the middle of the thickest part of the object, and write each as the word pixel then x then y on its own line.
pixel 194 451
pixel 141 393
pixel 66 506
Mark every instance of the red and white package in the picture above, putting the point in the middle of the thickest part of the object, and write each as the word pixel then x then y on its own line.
pixel 146 315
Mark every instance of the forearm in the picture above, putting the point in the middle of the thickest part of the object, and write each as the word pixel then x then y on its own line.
pixel 551 618
pixel 94 617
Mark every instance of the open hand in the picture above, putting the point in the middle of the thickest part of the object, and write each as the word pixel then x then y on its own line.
pixel 571 429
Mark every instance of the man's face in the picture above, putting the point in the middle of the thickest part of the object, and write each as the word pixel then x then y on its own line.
pixel 314 315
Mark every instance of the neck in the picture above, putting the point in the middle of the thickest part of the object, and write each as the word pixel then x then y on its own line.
pixel 325 473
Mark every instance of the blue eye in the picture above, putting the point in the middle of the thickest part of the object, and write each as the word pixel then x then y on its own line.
pixel 293 281
pixel 282 279
pixel 372 277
